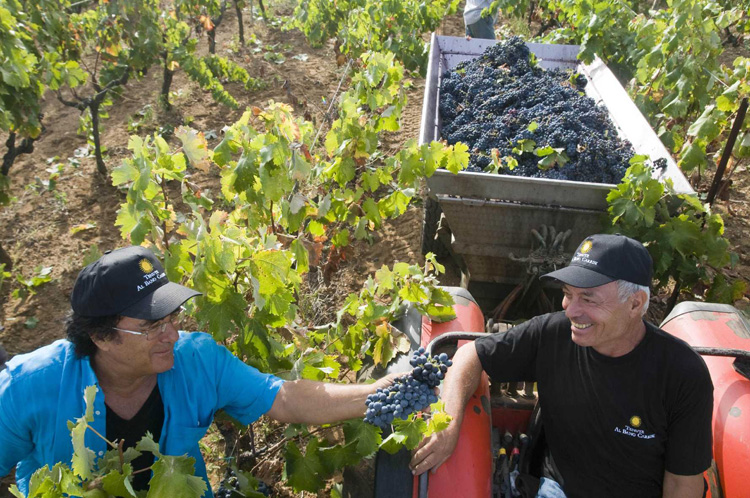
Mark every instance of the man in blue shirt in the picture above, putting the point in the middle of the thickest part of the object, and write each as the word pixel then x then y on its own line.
pixel 150 377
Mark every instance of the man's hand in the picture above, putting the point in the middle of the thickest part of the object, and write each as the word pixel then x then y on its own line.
pixel 387 381
pixel 434 450
pixel 461 381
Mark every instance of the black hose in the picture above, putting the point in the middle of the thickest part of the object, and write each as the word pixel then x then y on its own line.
pixel 451 337
pixel 736 353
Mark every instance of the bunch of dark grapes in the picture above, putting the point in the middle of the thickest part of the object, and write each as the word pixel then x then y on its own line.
pixel 500 98
pixel 409 393
pixel 230 487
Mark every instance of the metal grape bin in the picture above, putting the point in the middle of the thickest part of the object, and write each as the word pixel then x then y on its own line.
pixel 490 216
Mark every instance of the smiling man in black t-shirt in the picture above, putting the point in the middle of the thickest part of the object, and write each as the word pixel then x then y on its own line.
pixel 626 406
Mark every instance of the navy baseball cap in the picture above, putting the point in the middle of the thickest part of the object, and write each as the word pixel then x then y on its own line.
pixel 604 258
pixel 129 282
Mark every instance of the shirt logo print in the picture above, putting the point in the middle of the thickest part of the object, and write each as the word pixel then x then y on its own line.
pixel 633 429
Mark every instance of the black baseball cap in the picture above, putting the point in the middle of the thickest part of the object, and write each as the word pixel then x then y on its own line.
pixel 129 282
pixel 604 258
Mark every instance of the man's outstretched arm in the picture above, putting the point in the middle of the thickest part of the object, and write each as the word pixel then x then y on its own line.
pixel 460 383
pixel 310 402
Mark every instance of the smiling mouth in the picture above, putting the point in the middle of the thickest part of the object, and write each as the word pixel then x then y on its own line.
pixel 581 326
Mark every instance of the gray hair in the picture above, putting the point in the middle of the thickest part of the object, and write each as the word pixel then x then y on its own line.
pixel 626 289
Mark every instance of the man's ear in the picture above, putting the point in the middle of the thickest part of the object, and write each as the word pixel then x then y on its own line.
pixel 103 344
pixel 637 302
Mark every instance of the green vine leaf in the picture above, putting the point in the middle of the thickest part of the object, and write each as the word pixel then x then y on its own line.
pixel 366 437
pixel 83 457
pixel 303 472
pixel 173 476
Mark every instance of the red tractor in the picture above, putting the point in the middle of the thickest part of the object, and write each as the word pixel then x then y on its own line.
pixel 500 431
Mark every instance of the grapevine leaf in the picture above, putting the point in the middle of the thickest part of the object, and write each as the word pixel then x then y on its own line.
pixel 413 292
pixel 705 126
pixel 439 420
pixel 194 146
pixel 341 239
pixel 222 316
pixel 118 484
pixel 223 151
pixel 371 211
pixel 384 277
pixel 440 314
pixel 683 235
pixel 692 155
pixel 83 457
pixel 318 366
pixel 457 158
pixel 396 203
pixel 148 444
pixel 383 349
pixel 432 155
pixel 544 151
pixel 724 103
pixel 413 430
pixel 173 477
pixel 111 459
pixel 365 436
pixel 304 472
pixel 338 456
pixel 393 443
pixel 401 269
pixel 302 255
pixel 125 173
pixel 676 108
pixel 272 271
pixel 316 228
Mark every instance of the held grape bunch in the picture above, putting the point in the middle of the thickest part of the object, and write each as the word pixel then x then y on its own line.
pixel 534 122
pixel 409 393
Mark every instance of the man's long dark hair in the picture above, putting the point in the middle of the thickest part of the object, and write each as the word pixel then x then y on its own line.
pixel 81 329
pixel 3 357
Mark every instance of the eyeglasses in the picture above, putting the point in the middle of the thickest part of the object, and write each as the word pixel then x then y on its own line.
pixel 156 329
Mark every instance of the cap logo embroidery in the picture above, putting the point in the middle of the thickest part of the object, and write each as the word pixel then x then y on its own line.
pixel 145 266
pixel 586 247
pixel 635 421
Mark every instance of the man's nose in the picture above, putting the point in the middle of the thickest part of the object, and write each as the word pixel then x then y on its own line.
pixel 171 334
pixel 570 307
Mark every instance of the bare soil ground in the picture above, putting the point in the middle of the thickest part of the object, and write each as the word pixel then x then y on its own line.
pixel 37 229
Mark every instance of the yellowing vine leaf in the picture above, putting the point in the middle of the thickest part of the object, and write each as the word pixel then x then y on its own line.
pixel 208 25
pixel 194 146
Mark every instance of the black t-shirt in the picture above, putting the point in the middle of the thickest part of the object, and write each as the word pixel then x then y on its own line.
pixel 149 418
pixel 613 425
